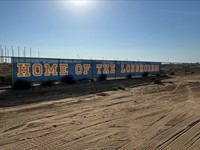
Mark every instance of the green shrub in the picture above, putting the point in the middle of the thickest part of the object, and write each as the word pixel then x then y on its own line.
pixel 157 75
pixel 69 79
pixel 157 81
pixel 115 88
pixel 129 76
pixel 122 88
pixel 92 80
pixel 7 79
pixel 153 78
pixel 102 77
pixel 83 79
pixel 165 75
pixel 172 73
pixel 22 84
pixel 145 74
pixel 47 83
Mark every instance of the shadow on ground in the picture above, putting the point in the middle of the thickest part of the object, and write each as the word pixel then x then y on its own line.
pixel 11 97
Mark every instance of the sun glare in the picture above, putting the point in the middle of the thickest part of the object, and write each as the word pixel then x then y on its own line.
pixel 79 5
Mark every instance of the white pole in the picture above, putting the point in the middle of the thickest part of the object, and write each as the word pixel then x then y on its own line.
pixel 24 52
pixel 8 56
pixel 12 52
pixel 18 52
pixel 5 54
pixel 1 54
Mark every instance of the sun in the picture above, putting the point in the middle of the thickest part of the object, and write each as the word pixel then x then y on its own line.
pixel 80 3
pixel 79 6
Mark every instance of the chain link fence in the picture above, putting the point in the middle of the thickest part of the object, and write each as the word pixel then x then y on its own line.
pixel 5 70
pixel 166 68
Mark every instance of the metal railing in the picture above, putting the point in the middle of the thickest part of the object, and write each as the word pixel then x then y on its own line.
pixel 5 66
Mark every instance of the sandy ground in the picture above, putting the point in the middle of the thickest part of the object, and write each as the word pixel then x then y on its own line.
pixel 153 116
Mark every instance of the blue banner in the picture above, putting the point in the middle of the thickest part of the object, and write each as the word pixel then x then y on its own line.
pixel 41 69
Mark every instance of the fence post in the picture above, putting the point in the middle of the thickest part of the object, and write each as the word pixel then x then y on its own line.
pixel 92 69
pixel 1 54
pixel 59 67
pixel 12 62
pixel 115 69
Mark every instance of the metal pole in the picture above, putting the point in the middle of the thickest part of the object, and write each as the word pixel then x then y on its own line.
pixel 115 69
pixel 24 52
pixel 18 52
pixel 92 70
pixel 8 56
pixel 30 52
pixel 5 54
pixel 12 51
pixel 1 54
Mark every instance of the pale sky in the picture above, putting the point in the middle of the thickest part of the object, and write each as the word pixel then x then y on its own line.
pixel 153 30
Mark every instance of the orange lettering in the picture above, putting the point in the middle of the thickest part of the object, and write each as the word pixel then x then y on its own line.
pixel 105 68
pixel 123 69
pixel 98 66
pixel 112 68
pixel 63 69
pixel 78 69
pixel 37 70
pixel 141 68
pixel 157 68
pixel 149 68
pixel 137 68
pixel 145 68
pixel 132 68
pixel 50 70
pixel 86 68
pixel 153 68
pixel 23 70
pixel 128 68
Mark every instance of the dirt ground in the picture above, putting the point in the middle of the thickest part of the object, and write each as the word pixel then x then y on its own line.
pixel 149 116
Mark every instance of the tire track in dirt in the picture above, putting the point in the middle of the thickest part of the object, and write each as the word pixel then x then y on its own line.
pixel 190 94
pixel 171 131
pixel 182 138
pixel 166 123
pixel 31 142
pixel 59 133
pixel 112 120
pixel 150 132
pixel 96 124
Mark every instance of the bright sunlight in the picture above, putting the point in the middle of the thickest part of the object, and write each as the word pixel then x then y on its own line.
pixel 80 6
pixel 80 3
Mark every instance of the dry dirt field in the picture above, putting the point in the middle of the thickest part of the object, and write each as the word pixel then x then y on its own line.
pixel 150 116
